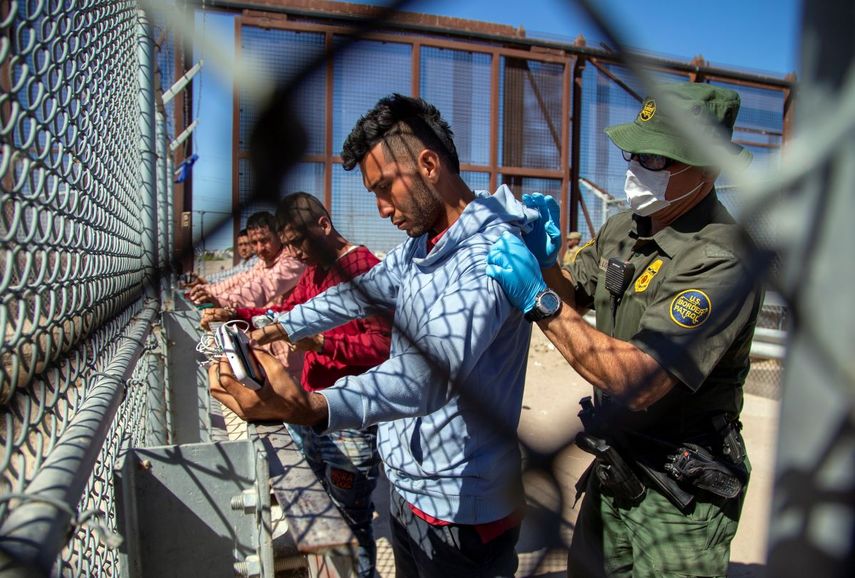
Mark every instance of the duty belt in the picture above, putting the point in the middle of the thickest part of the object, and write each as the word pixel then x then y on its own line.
pixel 625 468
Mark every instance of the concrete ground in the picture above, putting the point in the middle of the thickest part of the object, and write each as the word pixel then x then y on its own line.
pixel 549 423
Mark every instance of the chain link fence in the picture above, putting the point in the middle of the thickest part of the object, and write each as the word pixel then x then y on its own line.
pixel 87 223
pixel 78 256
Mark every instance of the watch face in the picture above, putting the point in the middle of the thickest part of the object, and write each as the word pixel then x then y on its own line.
pixel 549 302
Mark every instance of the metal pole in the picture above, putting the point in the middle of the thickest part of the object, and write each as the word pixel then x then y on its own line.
pixel 36 530
pixel 163 195
pixel 575 144
pixel 202 226
pixel 171 225
pixel 160 139
pixel 813 518
pixel 156 394
pixel 148 154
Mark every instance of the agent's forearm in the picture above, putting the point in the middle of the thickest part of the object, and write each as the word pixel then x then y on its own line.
pixel 616 367
pixel 560 281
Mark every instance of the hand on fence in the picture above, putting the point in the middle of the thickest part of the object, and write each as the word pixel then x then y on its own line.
pixel 517 271
pixel 202 294
pixel 280 398
pixel 268 334
pixel 217 314
pixel 544 240
pixel 315 343
pixel 190 279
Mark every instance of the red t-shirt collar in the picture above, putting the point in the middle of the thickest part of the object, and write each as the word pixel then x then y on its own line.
pixel 432 241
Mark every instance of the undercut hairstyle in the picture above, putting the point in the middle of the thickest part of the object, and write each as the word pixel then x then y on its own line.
pixel 405 126
pixel 299 210
pixel 262 220
pixel 242 233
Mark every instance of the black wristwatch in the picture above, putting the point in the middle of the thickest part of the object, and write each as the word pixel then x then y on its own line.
pixel 546 304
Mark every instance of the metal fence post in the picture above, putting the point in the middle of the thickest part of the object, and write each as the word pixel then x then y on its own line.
pixel 157 426
pixel 163 194
pixel 148 154
pixel 170 216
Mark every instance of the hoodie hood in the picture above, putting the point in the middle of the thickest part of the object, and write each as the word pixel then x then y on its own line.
pixel 501 210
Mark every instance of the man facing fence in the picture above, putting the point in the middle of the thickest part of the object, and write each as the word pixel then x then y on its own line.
pixel 275 274
pixel 345 461
pixel 248 260
pixel 448 400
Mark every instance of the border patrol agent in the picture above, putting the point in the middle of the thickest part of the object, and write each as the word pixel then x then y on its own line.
pixel 676 308
pixel 573 239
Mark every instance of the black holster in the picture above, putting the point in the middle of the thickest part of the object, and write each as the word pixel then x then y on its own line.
pixel 613 473
pixel 622 478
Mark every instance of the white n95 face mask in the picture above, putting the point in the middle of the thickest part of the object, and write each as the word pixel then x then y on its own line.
pixel 645 189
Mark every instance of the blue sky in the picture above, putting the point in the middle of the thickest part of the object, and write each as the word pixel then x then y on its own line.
pixel 758 35
pixel 755 35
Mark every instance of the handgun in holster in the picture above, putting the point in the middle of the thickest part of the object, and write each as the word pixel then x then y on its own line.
pixel 612 471
pixel 587 415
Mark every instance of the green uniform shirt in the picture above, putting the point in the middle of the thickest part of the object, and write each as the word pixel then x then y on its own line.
pixel 692 305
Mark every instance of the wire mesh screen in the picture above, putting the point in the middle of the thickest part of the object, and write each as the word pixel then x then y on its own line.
pixel 458 83
pixel 280 55
pixel 605 102
pixel 306 177
pixel 249 206
pixel 387 64
pixel 354 212
pixel 389 67
pixel 530 113
pixel 476 181
pixel 527 185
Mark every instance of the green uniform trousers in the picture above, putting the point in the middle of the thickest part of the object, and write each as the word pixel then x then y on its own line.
pixel 652 538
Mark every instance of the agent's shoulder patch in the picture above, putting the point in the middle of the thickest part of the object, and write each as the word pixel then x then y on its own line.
pixel 691 308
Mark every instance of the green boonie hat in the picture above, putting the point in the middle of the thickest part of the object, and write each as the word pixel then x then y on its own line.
pixel 653 130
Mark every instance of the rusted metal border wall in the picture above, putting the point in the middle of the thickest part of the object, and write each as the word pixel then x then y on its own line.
pixel 333 19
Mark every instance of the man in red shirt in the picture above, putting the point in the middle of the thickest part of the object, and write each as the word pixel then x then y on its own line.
pixel 346 461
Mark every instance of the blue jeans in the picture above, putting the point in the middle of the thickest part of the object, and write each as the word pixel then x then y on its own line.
pixel 347 463
pixel 453 551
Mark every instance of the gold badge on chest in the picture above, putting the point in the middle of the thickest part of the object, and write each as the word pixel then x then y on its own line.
pixel 645 278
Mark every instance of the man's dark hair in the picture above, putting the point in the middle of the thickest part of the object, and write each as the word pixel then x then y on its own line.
pixel 299 210
pixel 242 233
pixel 405 125
pixel 261 220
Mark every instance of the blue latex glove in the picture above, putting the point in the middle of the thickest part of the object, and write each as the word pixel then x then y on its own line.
pixel 544 240
pixel 517 271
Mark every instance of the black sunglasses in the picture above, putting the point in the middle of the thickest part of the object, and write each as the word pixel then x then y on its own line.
pixel 649 161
